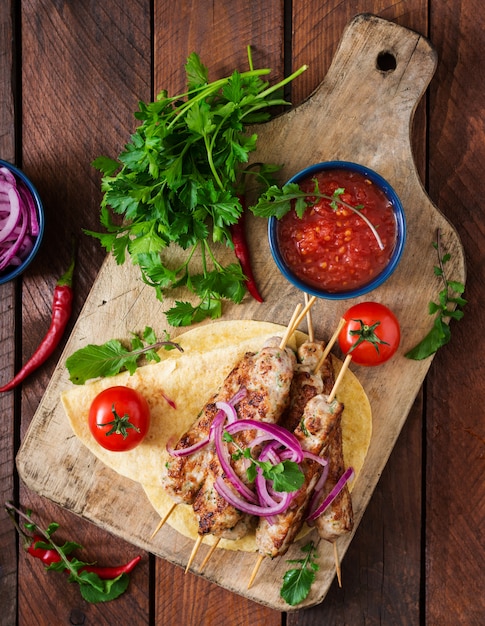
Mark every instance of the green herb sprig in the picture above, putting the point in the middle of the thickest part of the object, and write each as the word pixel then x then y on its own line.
pixel 297 581
pixel 440 333
pixel 286 475
pixel 93 588
pixel 94 361
pixel 178 183
pixel 276 202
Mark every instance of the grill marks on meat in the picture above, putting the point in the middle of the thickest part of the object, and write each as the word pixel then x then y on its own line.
pixel 314 431
pixel 338 517
pixel 182 477
pixel 268 385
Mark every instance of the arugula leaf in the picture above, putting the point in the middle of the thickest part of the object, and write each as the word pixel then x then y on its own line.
pixel 110 358
pixel 178 179
pixel 297 581
pixel 440 333
pixel 94 589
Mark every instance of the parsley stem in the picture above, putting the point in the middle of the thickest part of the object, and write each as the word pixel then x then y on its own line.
pixel 282 83
pixel 217 265
pixel 201 93
pixel 208 146
pixel 361 215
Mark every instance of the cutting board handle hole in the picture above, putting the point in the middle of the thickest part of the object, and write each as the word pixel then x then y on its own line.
pixel 386 61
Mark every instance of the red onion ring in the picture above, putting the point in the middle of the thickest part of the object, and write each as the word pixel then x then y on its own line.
pixel 346 476
pixel 249 508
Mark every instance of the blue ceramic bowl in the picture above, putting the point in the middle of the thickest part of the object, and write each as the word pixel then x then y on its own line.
pixel 395 257
pixel 12 271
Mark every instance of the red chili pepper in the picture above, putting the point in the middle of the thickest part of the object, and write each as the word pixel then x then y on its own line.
pixel 49 556
pixel 108 573
pixel 61 312
pixel 241 250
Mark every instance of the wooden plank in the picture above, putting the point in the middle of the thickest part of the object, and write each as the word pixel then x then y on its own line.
pixel 8 577
pixel 391 389
pixel 78 103
pixel 220 37
pixel 455 503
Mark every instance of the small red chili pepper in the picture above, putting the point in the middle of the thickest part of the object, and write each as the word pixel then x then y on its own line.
pixel 108 573
pixel 241 250
pixel 61 312
pixel 49 556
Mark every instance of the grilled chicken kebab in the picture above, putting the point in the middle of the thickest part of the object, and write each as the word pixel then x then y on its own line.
pixel 183 476
pixel 314 421
pixel 266 377
pixel 267 387
pixel 276 388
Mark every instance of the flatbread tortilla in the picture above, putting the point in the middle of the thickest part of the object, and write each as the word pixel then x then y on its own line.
pixel 189 379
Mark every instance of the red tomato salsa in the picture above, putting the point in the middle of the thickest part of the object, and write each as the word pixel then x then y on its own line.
pixel 333 248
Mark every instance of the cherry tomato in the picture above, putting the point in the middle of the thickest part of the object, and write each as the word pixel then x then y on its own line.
pixel 371 333
pixel 119 418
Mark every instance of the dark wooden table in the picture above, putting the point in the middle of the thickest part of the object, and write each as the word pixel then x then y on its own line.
pixel 71 75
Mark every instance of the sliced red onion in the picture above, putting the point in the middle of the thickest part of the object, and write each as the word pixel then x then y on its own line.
pixel 278 433
pixel 203 442
pixel 19 223
pixel 225 461
pixel 315 457
pixel 28 202
pixel 247 507
pixel 229 411
pixel 14 215
pixel 187 451
pixel 346 476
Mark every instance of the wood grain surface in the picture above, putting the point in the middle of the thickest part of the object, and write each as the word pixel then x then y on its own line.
pixel 322 128
pixel 70 77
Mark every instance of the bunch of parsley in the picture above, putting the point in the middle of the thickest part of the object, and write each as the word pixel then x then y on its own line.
pixel 178 182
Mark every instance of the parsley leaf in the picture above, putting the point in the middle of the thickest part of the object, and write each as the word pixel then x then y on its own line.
pixel 286 475
pixel 276 202
pixel 179 179
pixel 440 333
pixel 298 581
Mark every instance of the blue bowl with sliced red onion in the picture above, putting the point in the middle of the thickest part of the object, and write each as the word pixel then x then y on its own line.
pixel 348 235
pixel 21 222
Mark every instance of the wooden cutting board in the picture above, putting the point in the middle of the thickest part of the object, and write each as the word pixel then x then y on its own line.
pixel 361 112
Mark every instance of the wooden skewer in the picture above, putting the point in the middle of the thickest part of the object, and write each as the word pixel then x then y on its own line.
pixel 194 551
pixel 295 320
pixel 289 328
pixel 256 569
pixel 164 519
pixel 330 345
pixel 337 564
pixel 345 365
pixel 304 312
pixel 209 554
pixel 311 334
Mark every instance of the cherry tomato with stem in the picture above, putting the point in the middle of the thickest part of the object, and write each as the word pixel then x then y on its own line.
pixel 119 418
pixel 371 333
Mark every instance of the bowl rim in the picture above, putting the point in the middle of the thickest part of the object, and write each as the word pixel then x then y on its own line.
pixel 7 276
pixel 401 226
